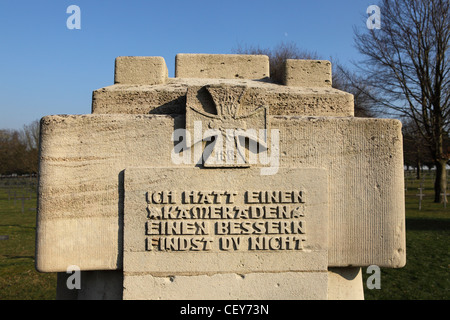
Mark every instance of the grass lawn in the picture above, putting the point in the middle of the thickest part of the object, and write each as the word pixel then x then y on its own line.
pixel 425 276
pixel 19 280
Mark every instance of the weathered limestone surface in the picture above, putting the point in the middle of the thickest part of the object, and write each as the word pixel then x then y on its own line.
pixel 307 73
pixel 80 184
pixel 140 70
pixel 171 98
pixel 83 157
pixel 364 159
pixel 252 286
pixel 221 66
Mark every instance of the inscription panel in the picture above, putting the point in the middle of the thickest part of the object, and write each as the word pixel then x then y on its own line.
pixel 224 220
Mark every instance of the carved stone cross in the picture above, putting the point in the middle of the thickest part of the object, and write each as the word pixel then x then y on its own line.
pixel 218 112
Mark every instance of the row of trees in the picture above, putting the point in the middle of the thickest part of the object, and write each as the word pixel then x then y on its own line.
pixel 19 150
pixel 405 75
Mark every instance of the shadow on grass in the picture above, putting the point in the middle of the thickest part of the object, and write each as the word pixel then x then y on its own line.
pixel 423 224
pixel 19 257
pixel 17 226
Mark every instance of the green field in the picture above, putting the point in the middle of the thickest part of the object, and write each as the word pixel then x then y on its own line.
pixel 425 276
pixel 18 277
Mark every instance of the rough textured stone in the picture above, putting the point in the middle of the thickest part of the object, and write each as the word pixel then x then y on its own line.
pixel 83 158
pixel 171 98
pixel 307 73
pixel 364 158
pixel 80 184
pixel 227 286
pixel 140 70
pixel 221 66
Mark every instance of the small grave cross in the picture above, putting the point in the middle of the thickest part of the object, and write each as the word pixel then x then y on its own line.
pixel 420 195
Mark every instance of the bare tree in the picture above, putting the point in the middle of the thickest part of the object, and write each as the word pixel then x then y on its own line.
pixel 408 67
pixel 30 134
pixel 349 81
pixel 30 137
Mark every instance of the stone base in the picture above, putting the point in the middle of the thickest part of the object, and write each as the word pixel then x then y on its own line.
pixel 343 284
pixel 229 286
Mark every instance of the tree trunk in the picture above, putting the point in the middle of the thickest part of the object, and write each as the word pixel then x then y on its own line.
pixel 440 183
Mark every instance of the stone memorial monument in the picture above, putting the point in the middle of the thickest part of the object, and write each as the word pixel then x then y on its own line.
pixel 219 184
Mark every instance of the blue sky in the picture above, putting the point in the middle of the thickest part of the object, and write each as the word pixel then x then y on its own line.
pixel 46 69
